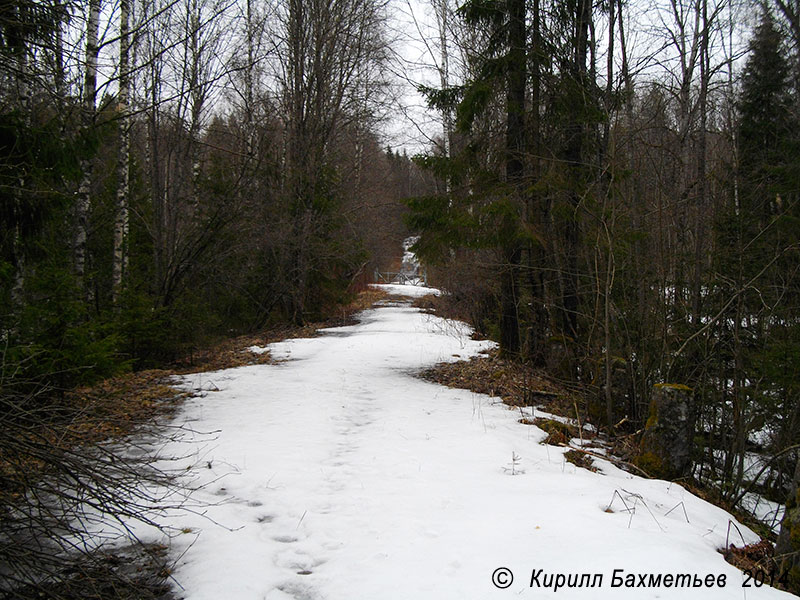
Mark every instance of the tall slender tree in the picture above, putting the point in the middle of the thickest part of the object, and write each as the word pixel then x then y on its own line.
pixel 120 250
pixel 83 199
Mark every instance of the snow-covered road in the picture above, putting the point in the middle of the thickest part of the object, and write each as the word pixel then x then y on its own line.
pixel 339 475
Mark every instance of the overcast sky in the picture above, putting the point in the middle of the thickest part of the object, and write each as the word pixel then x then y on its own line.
pixel 407 123
pixel 650 54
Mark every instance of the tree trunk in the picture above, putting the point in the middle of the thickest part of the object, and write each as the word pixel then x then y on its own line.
pixel 700 206
pixel 609 384
pixel 83 199
pixel 442 9
pixel 197 99
pixel 609 262
pixel 123 160
pixel 60 74
pixel 249 94
pixel 574 160
pixel 24 106
pixel 515 152
pixel 536 212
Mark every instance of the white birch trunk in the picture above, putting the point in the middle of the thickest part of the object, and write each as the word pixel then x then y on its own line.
pixel 249 83
pixel 25 107
pixel 441 7
pixel 123 168
pixel 89 92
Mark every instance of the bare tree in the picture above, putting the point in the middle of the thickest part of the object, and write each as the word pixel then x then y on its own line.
pixel 329 47
pixel 123 162
pixel 83 199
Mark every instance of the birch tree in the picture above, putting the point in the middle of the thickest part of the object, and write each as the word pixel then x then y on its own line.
pixel 83 198
pixel 119 262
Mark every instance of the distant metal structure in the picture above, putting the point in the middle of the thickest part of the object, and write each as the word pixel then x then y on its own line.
pixel 410 273
pixel 402 278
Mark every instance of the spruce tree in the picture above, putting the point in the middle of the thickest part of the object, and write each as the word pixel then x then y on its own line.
pixel 765 257
pixel 483 207
pixel 766 123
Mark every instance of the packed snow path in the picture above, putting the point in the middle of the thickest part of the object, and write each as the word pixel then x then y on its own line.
pixel 339 475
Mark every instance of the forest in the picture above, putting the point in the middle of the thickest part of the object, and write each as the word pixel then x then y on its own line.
pixel 628 220
pixel 610 191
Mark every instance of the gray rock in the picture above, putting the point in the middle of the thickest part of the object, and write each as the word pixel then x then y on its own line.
pixel 668 435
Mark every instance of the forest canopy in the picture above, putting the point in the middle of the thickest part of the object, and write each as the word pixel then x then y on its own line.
pixel 627 217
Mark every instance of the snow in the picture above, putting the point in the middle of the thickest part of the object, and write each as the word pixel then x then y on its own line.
pixel 336 474
pixel 768 512
pixel 257 349
pixel 411 265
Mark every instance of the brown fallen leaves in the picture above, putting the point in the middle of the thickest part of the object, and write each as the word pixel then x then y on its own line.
pixel 515 383
pixel 758 563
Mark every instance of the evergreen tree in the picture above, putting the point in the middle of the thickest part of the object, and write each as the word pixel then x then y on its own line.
pixel 766 123
pixel 759 250
pixel 483 209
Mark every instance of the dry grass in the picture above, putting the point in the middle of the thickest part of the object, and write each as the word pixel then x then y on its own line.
pixel 558 433
pixel 580 459
pixel 114 407
pixel 752 557
pixel 515 383
pixel 366 299
pixel 757 561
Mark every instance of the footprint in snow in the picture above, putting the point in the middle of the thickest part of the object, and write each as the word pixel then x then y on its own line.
pixel 297 561
pixel 285 539
pixel 292 590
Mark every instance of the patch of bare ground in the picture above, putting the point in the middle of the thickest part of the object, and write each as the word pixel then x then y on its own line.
pixel 116 406
pixel 514 382
pixel 758 563
pixel 558 433
pixel 135 572
pixel 519 385
pixel 580 459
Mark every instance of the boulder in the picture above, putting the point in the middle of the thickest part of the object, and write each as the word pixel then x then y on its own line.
pixel 668 435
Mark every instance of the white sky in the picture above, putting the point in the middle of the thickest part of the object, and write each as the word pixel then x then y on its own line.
pixel 408 123
pixel 647 29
